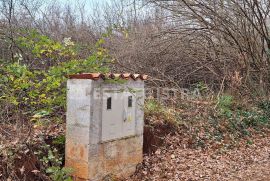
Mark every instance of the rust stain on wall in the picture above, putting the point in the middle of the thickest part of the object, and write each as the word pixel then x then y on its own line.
pixel 79 168
pixel 82 148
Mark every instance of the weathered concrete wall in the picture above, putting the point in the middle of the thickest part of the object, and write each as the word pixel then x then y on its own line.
pixel 78 126
pixel 119 157
pixel 91 158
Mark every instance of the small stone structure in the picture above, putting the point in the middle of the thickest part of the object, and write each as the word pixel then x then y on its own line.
pixel 104 131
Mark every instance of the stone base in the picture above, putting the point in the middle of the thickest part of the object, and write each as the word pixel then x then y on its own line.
pixel 119 157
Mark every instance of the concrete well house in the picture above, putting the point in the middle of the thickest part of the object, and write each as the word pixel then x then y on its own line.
pixel 104 132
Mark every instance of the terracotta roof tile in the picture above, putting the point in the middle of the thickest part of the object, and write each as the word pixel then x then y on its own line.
pixel 143 76
pixel 96 76
pixel 125 76
pixel 113 76
pixel 135 76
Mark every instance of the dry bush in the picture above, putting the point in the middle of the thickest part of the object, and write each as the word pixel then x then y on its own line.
pixel 237 32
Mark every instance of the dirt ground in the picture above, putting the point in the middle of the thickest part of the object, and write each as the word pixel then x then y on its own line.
pixel 249 161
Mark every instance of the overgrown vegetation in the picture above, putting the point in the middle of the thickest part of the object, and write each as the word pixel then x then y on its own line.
pixel 33 97
pixel 53 164
pixel 30 91
pixel 223 121
pixel 219 47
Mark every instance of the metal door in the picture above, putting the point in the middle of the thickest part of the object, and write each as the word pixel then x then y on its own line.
pixel 118 115
pixel 112 115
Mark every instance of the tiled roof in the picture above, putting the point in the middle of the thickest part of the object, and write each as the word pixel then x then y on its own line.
pixel 96 76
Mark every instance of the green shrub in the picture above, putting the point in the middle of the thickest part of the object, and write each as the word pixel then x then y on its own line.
pixel 224 104
pixel 265 106
pixel 158 113
pixel 59 140
pixel 30 92
pixel 52 163
pixel 152 106
pixel 59 174
pixel 243 120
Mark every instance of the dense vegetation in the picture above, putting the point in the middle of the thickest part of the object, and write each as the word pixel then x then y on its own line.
pixel 219 47
pixel 34 95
